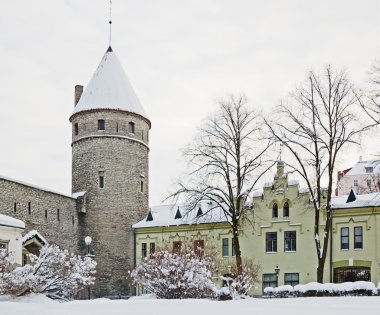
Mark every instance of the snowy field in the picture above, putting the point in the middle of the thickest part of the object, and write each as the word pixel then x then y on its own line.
pixel 310 306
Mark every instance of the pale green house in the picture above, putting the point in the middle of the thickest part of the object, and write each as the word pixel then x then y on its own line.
pixel 278 233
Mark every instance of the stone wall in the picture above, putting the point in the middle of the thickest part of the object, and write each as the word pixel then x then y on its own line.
pixel 110 211
pixel 52 214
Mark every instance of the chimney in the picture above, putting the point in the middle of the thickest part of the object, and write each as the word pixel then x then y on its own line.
pixel 78 94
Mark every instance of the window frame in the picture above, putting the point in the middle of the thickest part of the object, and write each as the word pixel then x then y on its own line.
pixel 152 248
pixel 199 247
pixel 291 282
pixel 177 246
pixel 4 245
pixel 233 252
pixel 271 243
pixel 131 127
pixel 358 235
pixel 76 129
pixel 144 251
pixel 101 181
pixel 292 241
pixel 271 282
pixel 346 237
pixel 286 210
pixel 275 211
pixel 101 125
pixel 225 247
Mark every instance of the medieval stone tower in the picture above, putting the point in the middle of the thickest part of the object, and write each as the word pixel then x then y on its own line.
pixel 110 137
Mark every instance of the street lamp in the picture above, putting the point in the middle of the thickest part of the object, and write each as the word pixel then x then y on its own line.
pixel 277 270
pixel 88 241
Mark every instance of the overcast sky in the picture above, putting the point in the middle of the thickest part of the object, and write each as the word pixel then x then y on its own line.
pixel 180 56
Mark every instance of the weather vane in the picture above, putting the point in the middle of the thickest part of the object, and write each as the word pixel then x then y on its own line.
pixel 110 21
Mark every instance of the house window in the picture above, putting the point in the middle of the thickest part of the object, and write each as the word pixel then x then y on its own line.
pixel 101 181
pixel 101 124
pixel 177 245
pixel 152 248
pixel 291 279
pixel 290 241
pixel 358 237
pixel 275 211
pixel 143 250
pixel 233 247
pixel 286 210
pixel 269 280
pixel 29 208
pixel 369 182
pixel 3 246
pixel 199 246
pixel 344 238
pixel 271 242
pixel 225 247
pixel 356 183
pixel 131 127
pixel 76 129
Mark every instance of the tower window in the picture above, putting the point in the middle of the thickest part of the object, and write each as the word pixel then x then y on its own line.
pixel 45 214
pixel 76 129
pixel 101 124
pixel 142 186
pixel 131 127
pixel 15 207
pixel 29 208
pixel 117 127
pixel 101 181
pixel 58 214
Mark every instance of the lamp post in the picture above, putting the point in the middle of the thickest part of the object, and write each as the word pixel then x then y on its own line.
pixel 88 241
pixel 277 272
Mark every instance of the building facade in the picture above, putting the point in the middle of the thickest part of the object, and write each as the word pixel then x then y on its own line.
pixel 279 235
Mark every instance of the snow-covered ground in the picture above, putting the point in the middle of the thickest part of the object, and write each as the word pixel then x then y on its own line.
pixel 136 306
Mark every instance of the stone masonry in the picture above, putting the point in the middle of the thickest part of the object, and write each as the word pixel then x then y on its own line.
pixel 122 159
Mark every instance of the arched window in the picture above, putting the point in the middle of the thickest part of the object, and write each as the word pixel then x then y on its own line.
pixel 275 211
pixel 286 210
pixel 76 129
pixel 131 127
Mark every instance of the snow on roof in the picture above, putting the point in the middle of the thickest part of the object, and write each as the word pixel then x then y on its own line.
pixel 303 190
pixel 33 186
pixel 268 185
pixel 109 88
pixel 78 194
pixel 12 222
pixel 31 234
pixel 360 168
pixel 164 215
pixel 257 193
pixel 366 200
pixel 292 182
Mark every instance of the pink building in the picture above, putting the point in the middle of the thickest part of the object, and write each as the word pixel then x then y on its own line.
pixel 363 178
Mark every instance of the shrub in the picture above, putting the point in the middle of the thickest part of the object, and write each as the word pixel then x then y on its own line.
pixel 55 272
pixel 175 275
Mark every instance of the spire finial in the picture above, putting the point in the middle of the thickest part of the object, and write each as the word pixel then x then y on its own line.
pixel 110 22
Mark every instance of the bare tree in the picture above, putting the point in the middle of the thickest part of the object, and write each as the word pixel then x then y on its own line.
pixel 371 103
pixel 226 160
pixel 315 124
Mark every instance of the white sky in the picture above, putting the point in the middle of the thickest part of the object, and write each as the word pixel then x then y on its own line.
pixel 180 56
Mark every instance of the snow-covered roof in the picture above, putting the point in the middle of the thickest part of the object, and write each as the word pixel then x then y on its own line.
pixel 109 88
pixel 78 194
pixel 33 233
pixel 303 190
pixel 360 168
pixel 268 185
pixel 33 186
pixel 365 200
pixel 257 193
pixel 164 215
pixel 12 222
pixel 292 182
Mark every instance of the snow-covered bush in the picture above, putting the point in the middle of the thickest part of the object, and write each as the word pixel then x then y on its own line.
pixel 239 284
pixel 55 272
pixel 324 289
pixel 175 275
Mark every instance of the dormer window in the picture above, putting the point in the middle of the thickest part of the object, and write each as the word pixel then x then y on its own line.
pixel 131 127
pixel 275 211
pixel 369 169
pixel 101 124
pixel 76 129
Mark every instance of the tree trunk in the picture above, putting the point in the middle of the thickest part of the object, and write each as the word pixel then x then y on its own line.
pixel 239 265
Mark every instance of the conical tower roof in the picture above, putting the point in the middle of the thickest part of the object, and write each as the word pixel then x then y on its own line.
pixel 109 88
